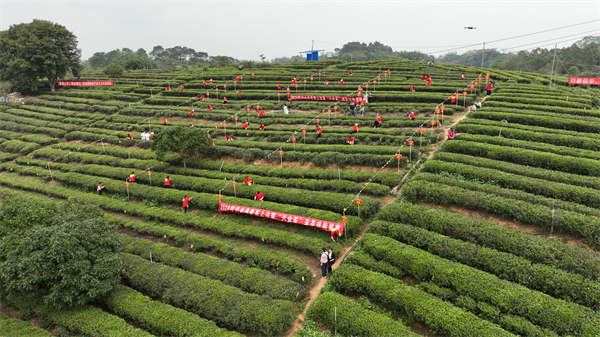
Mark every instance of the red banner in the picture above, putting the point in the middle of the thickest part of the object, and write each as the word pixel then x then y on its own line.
pixel 325 98
pixel 298 220
pixel 584 80
pixel 85 83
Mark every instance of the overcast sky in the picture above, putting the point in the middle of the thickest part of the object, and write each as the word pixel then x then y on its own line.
pixel 245 29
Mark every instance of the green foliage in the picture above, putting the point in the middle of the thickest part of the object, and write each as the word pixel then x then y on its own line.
pixel 16 327
pixel 159 318
pixel 18 146
pixel 439 316
pixel 552 281
pixel 18 214
pixel 184 141
pixel 71 261
pixel 558 315
pixel 225 305
pixel 486 233
pixel 251 280
pixel 113 70
pixel 258 258
pixel 40 50
pixel 310 329
pixel 334 310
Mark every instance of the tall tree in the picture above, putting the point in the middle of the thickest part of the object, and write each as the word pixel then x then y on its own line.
pixel 41 50
pixel 185 141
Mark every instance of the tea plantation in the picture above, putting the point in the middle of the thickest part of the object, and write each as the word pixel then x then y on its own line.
pixel 492 233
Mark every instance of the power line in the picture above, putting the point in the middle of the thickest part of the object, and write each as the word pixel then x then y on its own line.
pixel 549 44
pixel 518 36
pixel 590 31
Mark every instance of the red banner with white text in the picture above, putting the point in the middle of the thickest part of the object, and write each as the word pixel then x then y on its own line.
pixel 325 98
pixel 298 220
pixel 584 80
pixel 86 83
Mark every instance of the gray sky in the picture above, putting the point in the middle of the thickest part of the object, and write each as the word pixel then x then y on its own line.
pixel 245 29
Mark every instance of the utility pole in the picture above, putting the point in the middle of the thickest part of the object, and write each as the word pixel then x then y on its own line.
pixel 552 70
pixel 482 55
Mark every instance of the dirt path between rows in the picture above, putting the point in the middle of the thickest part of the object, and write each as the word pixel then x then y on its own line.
pixel 316 289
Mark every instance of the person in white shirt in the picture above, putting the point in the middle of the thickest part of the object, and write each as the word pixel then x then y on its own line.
pixel 143 135
pixel 285 110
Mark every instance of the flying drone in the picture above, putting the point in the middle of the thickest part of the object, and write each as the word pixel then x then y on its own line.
pixel 470 27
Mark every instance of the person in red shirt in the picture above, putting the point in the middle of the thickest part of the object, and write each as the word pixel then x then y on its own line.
pixel 201 97
pixel 355 129
pixel 151 135
pixel 294 81
pixel 129 136
pixel 428 83
pixel 204 84
pixel 351 140
pixel 259 196
pixel 167 182
pixel 186 201
pixel 210 107
pixel 423 78
pixel 100 188
pixel 412 89
pixel 192 112
pixel 168 88
pixel 428 77
pixel 261 113
pixel 453 99
pixel 342 81
pixel 224 99
pixel 191 125
pixel 181 87
pixel 164 121
pixel 245 126
pixel 278 86
pixel 351 73
pixel 489 89
pixel 132 177
pixel 326 82
pixel 319 132
pixel 334 235
pixel 331 75
pixel 450 134
pixel 261 127
pixel 240 90
pixel 248 181
pixel 228 138
pixel 377 123
pixel 462 77
pixel 411 115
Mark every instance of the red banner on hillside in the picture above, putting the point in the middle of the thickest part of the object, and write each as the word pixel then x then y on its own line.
pixel 325 98
pixel 298 220
pixel 584 80
pixel 86 83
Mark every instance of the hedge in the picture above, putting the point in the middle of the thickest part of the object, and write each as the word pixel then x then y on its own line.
pixel 108 150
pixel 258 258
pixel 480 185
pixel 531 136
pixel 89 158
pixel 533 103
pixel 559 106
pixel 225 305
pixel 333 202
pixel 550 252
pixel 548 161
pixel 544 121
pixel 8 156
pixel 159 318
pixel 552 281
pixel 221 226
pixel 563 317
pixel 562 191
pixel 84 320
pixel 16 327
pixel 350 319
pixel 39 139
pixel 251 280
pixel 561 150
pixel 514 324
pixel 18 146
pixel 533 172
pixel 585 227
pixel 439 316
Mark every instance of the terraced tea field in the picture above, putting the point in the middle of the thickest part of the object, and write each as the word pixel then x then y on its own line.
pixel 493 233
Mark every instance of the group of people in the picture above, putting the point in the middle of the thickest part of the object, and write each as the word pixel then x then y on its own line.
pixel 147 135
pixel 327 261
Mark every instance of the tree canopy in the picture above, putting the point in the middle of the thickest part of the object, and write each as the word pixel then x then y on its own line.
pixel 65 253
pixel 40 50
pixel 183 140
